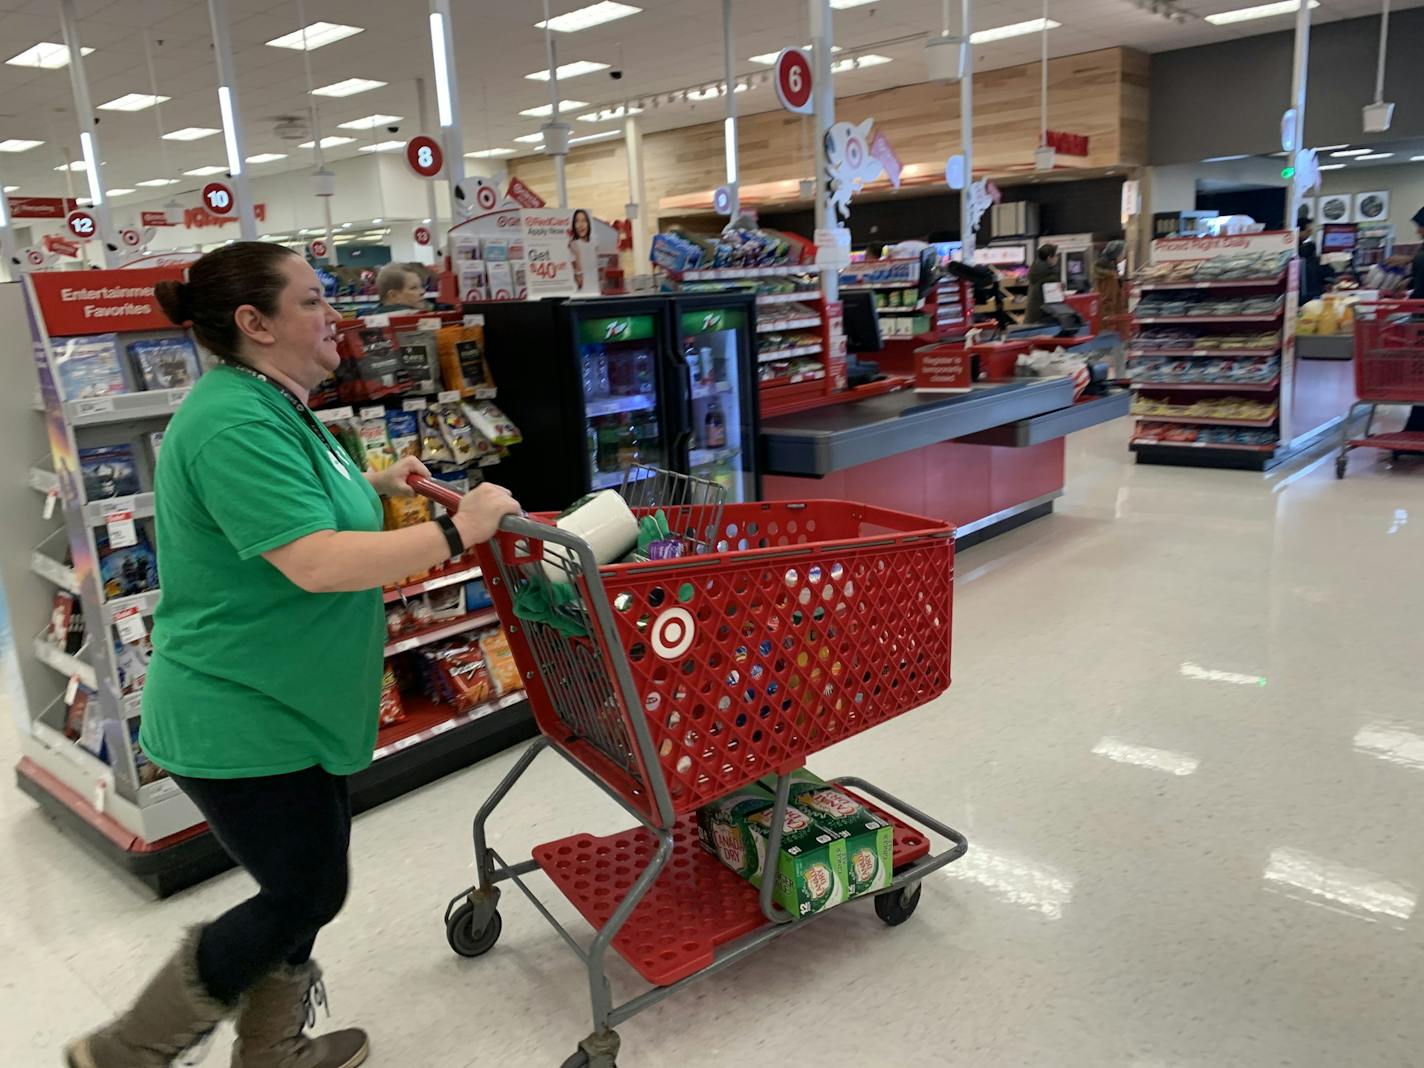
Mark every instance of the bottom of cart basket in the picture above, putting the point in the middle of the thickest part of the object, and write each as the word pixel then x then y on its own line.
pixel 1400 441
pixel 695 906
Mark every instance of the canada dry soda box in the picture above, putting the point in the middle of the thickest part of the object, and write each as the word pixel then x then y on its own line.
pixel 869 840
pixel 811 869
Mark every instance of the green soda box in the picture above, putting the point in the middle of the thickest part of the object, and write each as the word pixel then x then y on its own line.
pixel 869 840
pixel 811 869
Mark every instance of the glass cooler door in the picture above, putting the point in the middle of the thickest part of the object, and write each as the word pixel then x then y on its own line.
pixel 617 361
pixel 722 445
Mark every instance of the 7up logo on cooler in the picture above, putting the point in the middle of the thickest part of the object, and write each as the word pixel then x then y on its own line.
pixel 712 322
pixel 615 330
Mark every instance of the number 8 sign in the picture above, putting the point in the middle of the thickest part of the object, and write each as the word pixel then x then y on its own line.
pixel 793 80
pixel 424 156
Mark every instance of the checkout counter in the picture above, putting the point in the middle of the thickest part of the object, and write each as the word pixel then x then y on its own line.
pixel 987 460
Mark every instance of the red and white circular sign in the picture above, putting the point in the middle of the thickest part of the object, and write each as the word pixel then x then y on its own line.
pixel 793 80
pixel 82 225
pixel 487 197
pixel 218 198
pixel 425 156
pixel 130 238
pixel 422 235
pixel 34 257
pixel 318 249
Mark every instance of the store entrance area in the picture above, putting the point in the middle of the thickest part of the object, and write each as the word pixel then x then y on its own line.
pixel 1185 740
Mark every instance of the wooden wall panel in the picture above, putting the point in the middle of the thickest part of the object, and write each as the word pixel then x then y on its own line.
pixel 1099 94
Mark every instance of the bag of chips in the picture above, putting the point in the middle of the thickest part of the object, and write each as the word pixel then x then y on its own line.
pixel 392 711
pixel 499 660
pixel 457 433
pixel 462 357
pixel 433 449
pixel 461 674
pixel 404 432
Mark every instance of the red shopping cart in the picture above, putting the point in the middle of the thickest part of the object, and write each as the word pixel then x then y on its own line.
pixel 671 683
pixel 1389 369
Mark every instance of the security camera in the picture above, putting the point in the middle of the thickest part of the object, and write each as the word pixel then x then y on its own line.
pixel 393 128
pixel 616 74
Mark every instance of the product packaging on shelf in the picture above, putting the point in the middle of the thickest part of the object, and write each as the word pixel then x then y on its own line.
pixel 392 710
pixel 164 363
pixel 371 366
pixel 109 471
pixel 420 359
pixel 501 281
pixel 869 840
pixel 462 358
pixel 499 659
pixel 129 569
pixel 89 367
pixel 811 869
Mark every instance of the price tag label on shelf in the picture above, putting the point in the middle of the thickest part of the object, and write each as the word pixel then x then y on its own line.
pixel 377 319
pixel 71 689
pixel 178 396
pixel 101 794
pixel 490 461
pixel 449 396
pixel 129 623
pixel 432 323
pixel 120 524
pixel 50 498
pixel 474 320
pixel 93 406
pixel 373 412
pixel 486 393
pixel 335 415
pixel 414 404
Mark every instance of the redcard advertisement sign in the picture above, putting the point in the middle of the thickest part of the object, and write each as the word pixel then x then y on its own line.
pixel 40 207
pixel 835 344
pixel 60 246
pixel 943 369
pixel 154 218
pixel 97 302
pixel 522 194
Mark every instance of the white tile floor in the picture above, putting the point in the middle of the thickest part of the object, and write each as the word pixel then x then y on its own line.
pixel 1186 740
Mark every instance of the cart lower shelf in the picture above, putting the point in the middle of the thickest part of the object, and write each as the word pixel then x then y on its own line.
pixel 1399 441
pixel 696 905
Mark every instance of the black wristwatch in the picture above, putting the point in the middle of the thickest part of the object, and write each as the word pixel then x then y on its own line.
pixel 452 535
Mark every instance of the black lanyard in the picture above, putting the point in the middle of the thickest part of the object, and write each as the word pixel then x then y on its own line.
pixel 296 402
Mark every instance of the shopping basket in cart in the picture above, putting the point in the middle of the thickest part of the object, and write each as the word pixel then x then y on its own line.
pixel 672 683
pixel 1389 369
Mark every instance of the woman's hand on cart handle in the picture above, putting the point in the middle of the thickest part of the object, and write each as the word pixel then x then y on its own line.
pixel 481 510
pixel 396 480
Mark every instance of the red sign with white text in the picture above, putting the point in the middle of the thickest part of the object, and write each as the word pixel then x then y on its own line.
pixel 422 235
pixel 1070 144
pixel 81 224
pixel 522 194
pixel 424 156
pixel 40 207
pixel 60 246
pixel 218 199
pixel 100 302
pixel 943 369
pixel 154 218
pixel 793 80
pixel 199 218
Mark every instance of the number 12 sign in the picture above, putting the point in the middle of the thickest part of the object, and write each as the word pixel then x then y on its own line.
pixel 793 80
pixel 81 224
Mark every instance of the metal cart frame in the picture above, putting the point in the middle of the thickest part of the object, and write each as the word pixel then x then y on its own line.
pixel 1389 369
pixel 472 916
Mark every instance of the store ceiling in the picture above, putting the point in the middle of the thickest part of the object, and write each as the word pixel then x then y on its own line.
pixel 670 47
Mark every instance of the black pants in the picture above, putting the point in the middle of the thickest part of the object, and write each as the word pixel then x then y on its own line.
pixel 291 833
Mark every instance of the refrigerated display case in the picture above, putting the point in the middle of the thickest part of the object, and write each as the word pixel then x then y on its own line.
pixel 601 385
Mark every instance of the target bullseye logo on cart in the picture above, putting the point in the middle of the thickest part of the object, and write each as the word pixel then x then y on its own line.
pixel 673 632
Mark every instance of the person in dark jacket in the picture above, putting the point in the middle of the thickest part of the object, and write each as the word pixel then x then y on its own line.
pixel 1312 275
pixel 1044 270
pixel 1112 301
pixel 1416 292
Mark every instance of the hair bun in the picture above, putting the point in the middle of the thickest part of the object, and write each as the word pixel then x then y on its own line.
pixel 176 299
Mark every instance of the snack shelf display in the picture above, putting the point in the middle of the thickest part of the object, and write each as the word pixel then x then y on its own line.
pixel 1212 352
pixel 107 397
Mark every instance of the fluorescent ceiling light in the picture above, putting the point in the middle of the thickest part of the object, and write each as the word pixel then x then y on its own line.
pixel 606 135
pixel 587 17
pixel 841 66
pixel 1416 159
pixel 91 166
pixel 487 153
pixel 382 146
pixel 543 111
pixel 530 139
pixel 1354 888
pixel 711 92
pixel 841 5
pixel 370 122
pixel 45 55
pixel 1338 166
pixel 1261 11
pixel 1014 29
pixel 440 49
pixel 73 165
pixel 378 220
pixel 18 144
pixel 1223 159
pixel 1352 152
pixel 190 133
pixel 767 59
pixel 117 192
pixel 1327 148
pixel 12 189
pixel 203 172
pixel 620 112
pixel 266 157
pixel 1146 757
pixel 348 87
pixel 314 36
pixel 155 182
pixel 569 70
pixel 328 142
pixel 1376 155
pixel 133 102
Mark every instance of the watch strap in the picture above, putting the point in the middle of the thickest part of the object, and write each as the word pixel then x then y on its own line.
pixel 452 535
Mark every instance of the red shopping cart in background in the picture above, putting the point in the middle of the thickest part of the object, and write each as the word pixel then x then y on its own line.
pixel 1389 369
pixel 671 683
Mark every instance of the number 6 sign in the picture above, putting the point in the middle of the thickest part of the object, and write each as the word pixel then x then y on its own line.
pixel 793 80
pixel 218 198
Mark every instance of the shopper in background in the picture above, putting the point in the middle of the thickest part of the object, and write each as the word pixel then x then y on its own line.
pixel 1415 423
pixel 400 289
pixel 875 252
pixel 1107 282
pixel 1312 275
pixel 263 690
pixel 1043 271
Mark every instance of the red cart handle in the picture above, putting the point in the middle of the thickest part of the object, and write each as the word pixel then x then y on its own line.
pixel 437 491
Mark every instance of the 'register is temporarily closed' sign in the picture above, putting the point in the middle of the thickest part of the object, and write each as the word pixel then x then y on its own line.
pixel 100 302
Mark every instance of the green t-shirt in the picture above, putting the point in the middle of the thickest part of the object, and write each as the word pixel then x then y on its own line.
pixel 252 675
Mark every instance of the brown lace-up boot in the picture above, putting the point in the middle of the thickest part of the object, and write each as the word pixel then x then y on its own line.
pixel 273 1017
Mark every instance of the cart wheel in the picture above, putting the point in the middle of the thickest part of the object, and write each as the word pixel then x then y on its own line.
pixel 580 1060
pixel 462 936
pixel 897 907
pixel 1340 467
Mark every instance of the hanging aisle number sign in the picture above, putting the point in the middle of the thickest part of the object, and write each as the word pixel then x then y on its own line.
pixel 218 198
pixel 424 156
pixel 793 80
pixel 81 224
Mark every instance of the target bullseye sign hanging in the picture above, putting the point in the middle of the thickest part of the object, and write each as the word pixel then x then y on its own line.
pixel 672 633
pixel 218 198
pixel 130 238
pixel 486 198
pixel 792 79
pixel 424 156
